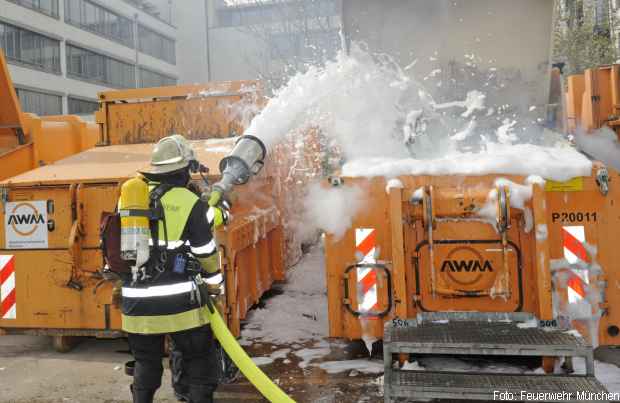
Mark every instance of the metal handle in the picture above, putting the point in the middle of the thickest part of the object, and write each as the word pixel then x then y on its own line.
pixel 347 301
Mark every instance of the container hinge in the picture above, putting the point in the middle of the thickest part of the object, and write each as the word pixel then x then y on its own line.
pixel 21 137
pixel 76 234
pixel 4 197
pixel 602 180
pixel 503 209
pixel 604 307
pixel 76 285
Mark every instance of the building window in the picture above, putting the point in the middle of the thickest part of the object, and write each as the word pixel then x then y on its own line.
pixel 40 103
pixel 320 45
pixel 49 7
pixel 156 45
pixel 576 13
pixel 99 68
pixel 30 48
pixel 159 11
pixel 284 46
pixel 99 20
pixel 150 79
pixel 602 15
pixel 82 107
pixel 309 46
pixel 259 14
pixel 232 16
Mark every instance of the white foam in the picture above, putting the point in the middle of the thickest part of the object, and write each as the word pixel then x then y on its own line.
pixel 602 145
pixel 262 360
pixel 418 195
pixel 385 123
pixel 532 323
pixel 542 232
pixel 412 366
pixel 298 315
pixel 506 133
pixel 308 355
pixel 559 164
pixel 474 101
pixel 352 98
pixel 331 209
pixel 364 366
pixel 393 184
pixel 466 132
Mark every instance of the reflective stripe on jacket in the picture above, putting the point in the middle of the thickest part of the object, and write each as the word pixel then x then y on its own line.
pixel 171 303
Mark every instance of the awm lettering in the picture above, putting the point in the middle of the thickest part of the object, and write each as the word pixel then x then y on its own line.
pixel 467 266
pixel 19 219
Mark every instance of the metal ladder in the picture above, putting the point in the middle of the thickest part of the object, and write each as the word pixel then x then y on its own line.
pixel 481 334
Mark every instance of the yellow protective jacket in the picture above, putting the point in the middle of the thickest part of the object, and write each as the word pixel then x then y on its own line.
pixel 170 303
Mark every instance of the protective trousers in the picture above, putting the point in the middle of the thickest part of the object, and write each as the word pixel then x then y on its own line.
pixel 200 370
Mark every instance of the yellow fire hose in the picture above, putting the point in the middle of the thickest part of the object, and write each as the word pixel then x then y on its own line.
pixel 270 390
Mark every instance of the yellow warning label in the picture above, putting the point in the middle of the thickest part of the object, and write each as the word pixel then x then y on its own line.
pixel 573 185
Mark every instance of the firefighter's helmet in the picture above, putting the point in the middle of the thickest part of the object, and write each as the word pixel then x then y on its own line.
pixel 171 154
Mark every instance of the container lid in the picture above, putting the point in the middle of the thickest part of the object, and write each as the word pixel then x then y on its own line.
pixel 113 163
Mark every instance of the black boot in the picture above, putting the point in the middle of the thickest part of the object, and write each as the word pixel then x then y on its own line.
pixel 179 385
pixel 142 395
pixel 201 394
pixel 181 394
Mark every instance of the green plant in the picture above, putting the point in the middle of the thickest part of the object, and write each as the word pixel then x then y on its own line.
pixel 581 40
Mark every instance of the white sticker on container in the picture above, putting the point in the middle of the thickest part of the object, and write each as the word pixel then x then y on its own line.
pixel 25 225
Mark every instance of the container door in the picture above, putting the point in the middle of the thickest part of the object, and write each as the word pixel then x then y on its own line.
pixel 464 265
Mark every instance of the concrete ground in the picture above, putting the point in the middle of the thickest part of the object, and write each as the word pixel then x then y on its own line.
pixel 32 372
pixel 610 355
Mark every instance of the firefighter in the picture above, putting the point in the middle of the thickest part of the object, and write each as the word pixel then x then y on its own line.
pixel 168 299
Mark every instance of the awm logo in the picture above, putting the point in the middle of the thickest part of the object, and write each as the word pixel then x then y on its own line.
pixel 26 219
pixel 467 266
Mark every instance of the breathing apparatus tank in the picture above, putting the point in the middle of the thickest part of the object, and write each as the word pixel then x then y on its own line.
pixel 135 230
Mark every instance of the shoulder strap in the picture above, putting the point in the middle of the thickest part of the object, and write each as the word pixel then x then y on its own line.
pixel 157 212
pixel 159 254
pixel 159 191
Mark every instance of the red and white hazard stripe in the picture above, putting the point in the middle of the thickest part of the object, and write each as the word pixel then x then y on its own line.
pixel 8 306
pixel 365 250
pixel 573 241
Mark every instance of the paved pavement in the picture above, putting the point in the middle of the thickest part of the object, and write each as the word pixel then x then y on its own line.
pixel 32 372
pixel 609 355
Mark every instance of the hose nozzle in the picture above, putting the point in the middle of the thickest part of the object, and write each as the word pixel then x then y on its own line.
pixel 245 160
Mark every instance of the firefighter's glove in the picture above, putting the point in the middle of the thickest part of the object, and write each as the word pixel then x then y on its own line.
pixel 218 215
pixel 214 198
pixel 117 293
pixel 210 264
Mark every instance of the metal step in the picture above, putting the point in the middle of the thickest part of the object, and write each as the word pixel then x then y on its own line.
pixel 483 334
pixel 414 385
pixel 484 338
